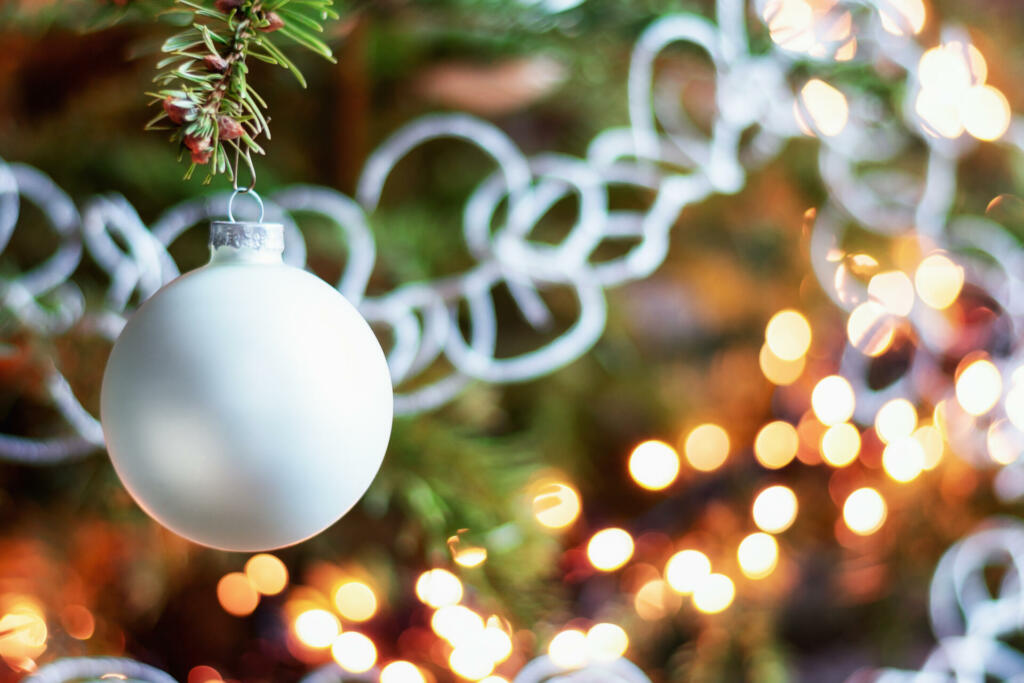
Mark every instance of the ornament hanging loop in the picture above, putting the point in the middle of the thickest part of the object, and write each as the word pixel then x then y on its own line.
pixel 248 191
pixel 244 190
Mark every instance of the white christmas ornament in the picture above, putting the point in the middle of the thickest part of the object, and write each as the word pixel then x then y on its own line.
pixel 247 405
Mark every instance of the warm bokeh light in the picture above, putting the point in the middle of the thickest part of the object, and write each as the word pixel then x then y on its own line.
pixel 606 642
pixel 496 641
pixel 556 506
pixel 654 465
pixel 1014 405
pixel 199 674
pixel 438 587
pixel 401 672
pixel 714 594
pixel 354 652
pixel 24 631
pixel 758 555
pixel 952 68
pixel 985 112
pixel 1004 442
pixel 778 371
pixel 896 419
pixel 355 601
pixel 774 509
pixel 832 400
pixel 686 569
pixel 317 628
pixel 903 459
pixel 821 108
pixel 864 511
pixel 654 600
pixel 609 549
pixel 932 444
pixel 788 335
pixel 237 595
pixel 978 387
pixel 870 328
pixel 776 444
pixel 456 624
pixel 470 663
pixel 78 621
pixel 267 573
pixel 840 444
pixel 894 291
pixel 466 555
pixel 902 17
pixel 568 649
pixel 706 447
pixel 940 113
pixel 938 281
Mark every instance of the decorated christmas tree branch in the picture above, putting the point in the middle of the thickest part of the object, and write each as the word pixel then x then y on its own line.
pixel 206 98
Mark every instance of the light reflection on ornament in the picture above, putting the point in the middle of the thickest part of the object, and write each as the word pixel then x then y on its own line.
pixel 714 594
pixel 654 465
pixel 840 444
pixel 774 509
pixel 686 569
pixel 978 387
pixel 758 555
pixel 609 549
pixel 707 447
pixel 776 444
pixel 832 400
pixel 864 511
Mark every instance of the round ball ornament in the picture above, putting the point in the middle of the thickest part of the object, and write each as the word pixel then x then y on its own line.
pixel 247 405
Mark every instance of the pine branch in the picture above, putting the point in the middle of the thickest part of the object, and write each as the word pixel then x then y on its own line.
pixel 205 95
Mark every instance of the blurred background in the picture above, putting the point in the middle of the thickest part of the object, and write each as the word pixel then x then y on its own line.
pixel 505 486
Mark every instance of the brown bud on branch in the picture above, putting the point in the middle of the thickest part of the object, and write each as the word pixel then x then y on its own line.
pixel 228 128
pixel 215 63
pixel 274 22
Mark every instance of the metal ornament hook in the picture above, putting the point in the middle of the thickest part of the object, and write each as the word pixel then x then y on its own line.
pixel 252 171
pixel 249 191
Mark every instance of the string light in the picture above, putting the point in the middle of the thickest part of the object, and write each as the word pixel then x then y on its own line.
pixel 864 511
pixel 556 506
pixel 903 459
pixel 832 400
pixel 840 444
pixel 654 600
pixel 776 444
pixel 894 291
pixel 932 445
pixel 870 329
pixel 654 465
pixel 1004 442
pixel 354 652
pixel 237 595
pixel 827 109
pixel 985 112
pixel 978 387
pixel 606 642
pixel 568 649
pixel 456 623
pixel 774 509
pixel 355 601
pixel 758 555
pixel 707 447
pixel 317 628
pixel 895 419
pixel 470 663
pixel 778 371
pixel 609 549
pixel 714 594
pixel 686 569
pixel 938 281
pixel 267 573
pixel 401 672
pixel 788 335
pixel 438 588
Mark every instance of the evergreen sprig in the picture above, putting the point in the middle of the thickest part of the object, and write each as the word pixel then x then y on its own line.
pixel 205 94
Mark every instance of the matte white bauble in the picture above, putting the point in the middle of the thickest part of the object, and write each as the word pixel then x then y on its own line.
pixel 247 405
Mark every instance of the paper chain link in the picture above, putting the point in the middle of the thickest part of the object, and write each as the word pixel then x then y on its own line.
pixel 661 152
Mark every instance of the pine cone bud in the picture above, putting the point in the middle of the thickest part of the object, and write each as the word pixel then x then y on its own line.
pixel 197 144
pixel 274 22
pixel 202 156
pixel 215 63
pixel 175 111
pixel 226 6
pixel 228 128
